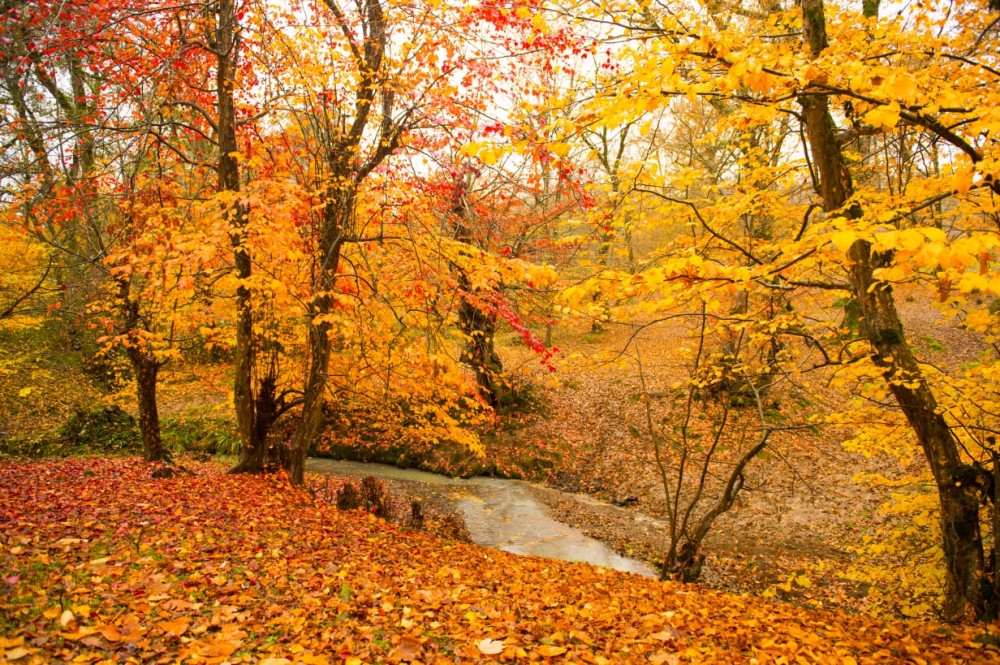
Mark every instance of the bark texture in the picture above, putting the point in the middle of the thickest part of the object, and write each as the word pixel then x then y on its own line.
pixel 476 322
pixel 146 369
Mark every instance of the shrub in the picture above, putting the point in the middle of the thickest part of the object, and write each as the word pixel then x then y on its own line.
pixel 106 430
pixel 519 396
pixel 201 435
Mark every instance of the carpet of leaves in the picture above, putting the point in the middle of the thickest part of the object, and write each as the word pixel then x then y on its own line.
pixel 102 563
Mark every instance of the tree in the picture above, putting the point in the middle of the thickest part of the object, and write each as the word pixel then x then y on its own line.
pixel 81 186
pixel 745 57
pixel 959 484
pixel 256 397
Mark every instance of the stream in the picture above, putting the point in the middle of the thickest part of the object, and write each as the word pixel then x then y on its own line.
pixel 498 513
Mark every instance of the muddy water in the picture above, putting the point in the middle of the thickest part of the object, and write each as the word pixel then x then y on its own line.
pixel 503 514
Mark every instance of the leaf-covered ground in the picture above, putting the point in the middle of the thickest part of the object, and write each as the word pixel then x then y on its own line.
pixel 103 563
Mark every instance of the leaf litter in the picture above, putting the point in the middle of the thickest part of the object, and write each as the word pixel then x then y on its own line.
pixel 104 564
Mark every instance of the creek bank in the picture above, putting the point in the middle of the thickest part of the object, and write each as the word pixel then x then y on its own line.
pixel 510 515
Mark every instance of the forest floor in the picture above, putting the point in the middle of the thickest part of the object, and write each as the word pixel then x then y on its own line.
pixel 795 528
pixel 790 535
pixel 102 562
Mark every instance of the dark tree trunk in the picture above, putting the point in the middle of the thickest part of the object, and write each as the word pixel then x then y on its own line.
pixel 313 420
pixel 479 326
pixel 478 323
pixel 320 347
pixel 255 414
pixel 345 171
pixel 146 369
pixel 958 484
pixel 259 455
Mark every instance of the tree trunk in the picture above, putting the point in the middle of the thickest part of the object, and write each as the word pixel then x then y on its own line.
pixel 312 406
pixel 957 483
pixel 256 453
pixel 146 368
pixel 958 488
pixel 344 172
pixel 320 344
pixel 480 353
pixel 252 425
pixel 478 324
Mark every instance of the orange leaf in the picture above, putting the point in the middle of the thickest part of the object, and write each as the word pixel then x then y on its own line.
pixel 111 634
pixel 550 651
pixel 220 648
pixel 176 627
pixel 409 649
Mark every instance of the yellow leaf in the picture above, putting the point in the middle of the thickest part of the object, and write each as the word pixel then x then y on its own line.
pixel 488 156
pixel 962 180
pixel 903 86
pixel 978 320
pixel 559 149
pixel 803 581
pixel 843 240
pixel 24 392
pixel 885 117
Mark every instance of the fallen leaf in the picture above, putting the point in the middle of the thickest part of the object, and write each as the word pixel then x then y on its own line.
pixel 550 650
pixel 409 649
pixel 111 634
pixel 490 647
pixel 177 627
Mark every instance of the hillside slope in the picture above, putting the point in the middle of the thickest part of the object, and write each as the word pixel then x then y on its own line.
pixel 102 562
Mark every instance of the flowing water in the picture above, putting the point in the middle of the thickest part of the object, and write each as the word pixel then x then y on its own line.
pixel 498 513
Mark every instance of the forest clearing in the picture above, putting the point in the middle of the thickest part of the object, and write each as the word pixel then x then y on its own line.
pixel 713 283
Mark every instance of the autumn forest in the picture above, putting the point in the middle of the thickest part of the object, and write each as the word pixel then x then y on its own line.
pixel 721 280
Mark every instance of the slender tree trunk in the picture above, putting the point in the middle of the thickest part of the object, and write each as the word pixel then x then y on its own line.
pixel 253 430
pixel 958 484
pixel 313 419
pixel 146 368
pixel 320 344
pixel 345 171
pixel 480 352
